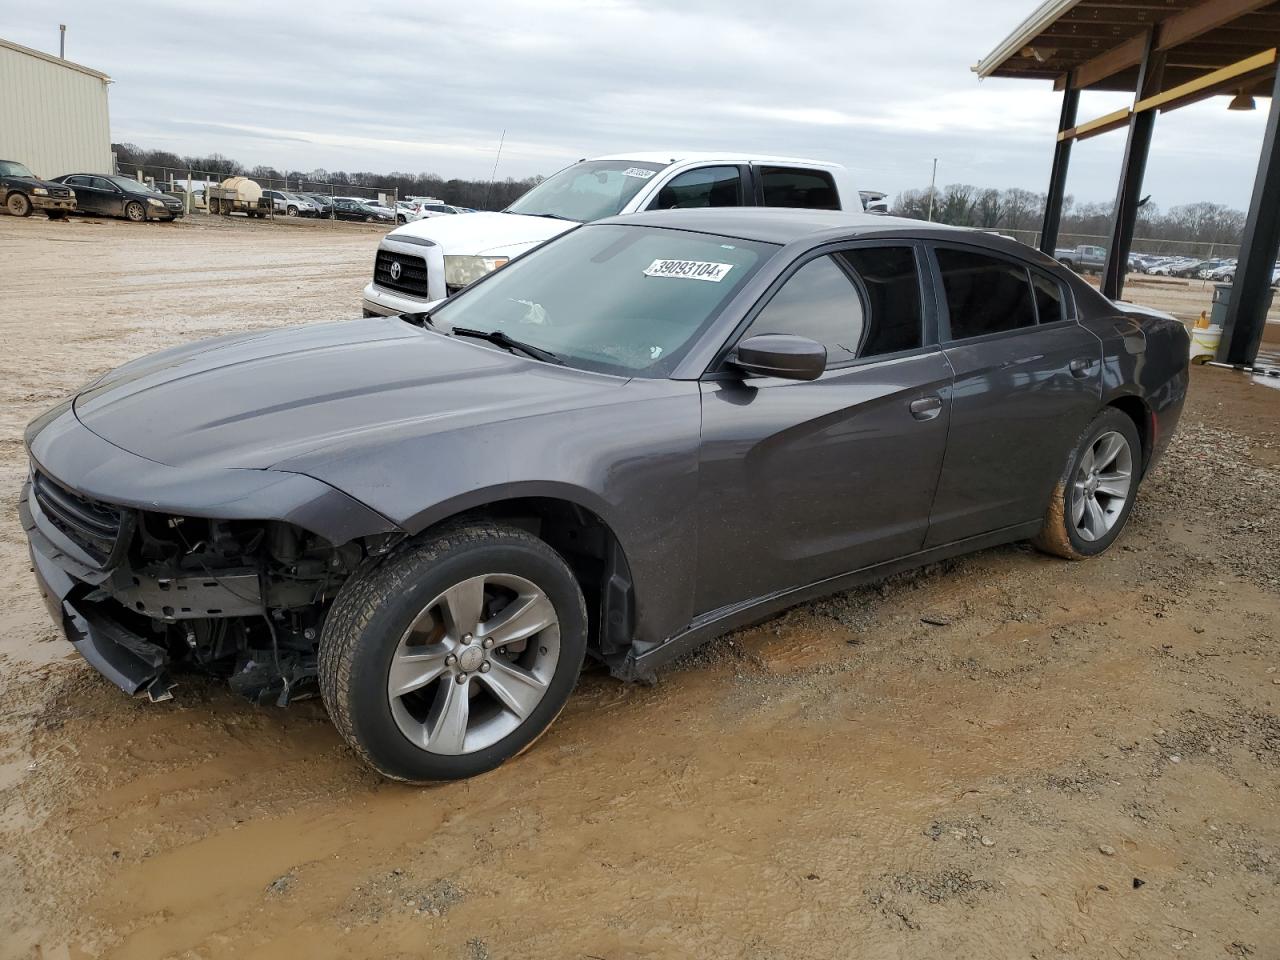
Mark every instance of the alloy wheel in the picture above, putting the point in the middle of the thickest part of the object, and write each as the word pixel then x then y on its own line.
pixel 1101 486
pixel 135 212
pixel 474 664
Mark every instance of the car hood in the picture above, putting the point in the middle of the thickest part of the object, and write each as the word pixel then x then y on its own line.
pixel 36 182
pixel 259 400
pixel 475 234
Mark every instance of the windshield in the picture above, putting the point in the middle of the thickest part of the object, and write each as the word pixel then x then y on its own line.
pixel 131 186
pixel 591 190
pixel 611 298
pixel 11 168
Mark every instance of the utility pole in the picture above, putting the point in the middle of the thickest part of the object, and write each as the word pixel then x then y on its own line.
pixel 62 41
pixel 933 183
pixel 494 174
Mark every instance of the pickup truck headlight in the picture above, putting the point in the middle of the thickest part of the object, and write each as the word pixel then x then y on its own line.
pixel 40 191
pixel 460 271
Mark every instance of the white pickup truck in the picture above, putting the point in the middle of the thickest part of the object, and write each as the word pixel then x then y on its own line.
pixel 430 259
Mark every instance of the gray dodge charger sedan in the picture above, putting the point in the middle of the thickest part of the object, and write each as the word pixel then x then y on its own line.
pixel 644 433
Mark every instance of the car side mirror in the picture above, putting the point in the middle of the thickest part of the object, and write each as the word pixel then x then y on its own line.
pixel 782 355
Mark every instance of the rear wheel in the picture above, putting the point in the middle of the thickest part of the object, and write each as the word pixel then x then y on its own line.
pixel 18 205
pixel 1092 501
pixel 455 655
pixel 135 212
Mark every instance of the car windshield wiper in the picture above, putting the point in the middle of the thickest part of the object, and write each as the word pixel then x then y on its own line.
pixel 552 216
pixel 500 339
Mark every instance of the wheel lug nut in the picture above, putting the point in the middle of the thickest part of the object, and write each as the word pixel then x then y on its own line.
pixel 487 643
pixel 484 667
pixel 462 678
pixel 450 660
pixel 467 638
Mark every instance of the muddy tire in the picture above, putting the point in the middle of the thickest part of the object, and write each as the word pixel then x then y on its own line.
pixel 454 654
pixel 135 212
pixel 18 205
pixel 1094 496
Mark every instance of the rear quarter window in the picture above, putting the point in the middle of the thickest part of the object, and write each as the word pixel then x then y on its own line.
pixel 985 294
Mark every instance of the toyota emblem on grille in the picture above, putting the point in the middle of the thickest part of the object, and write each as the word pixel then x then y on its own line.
pixel 395 269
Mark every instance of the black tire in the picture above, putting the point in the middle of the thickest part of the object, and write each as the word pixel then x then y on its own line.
pixel 291 211
pixel 1059 535
pixel 18 205
pixel 56 214
pixel 135 212
pixel 400 218
pixel 368 219
pixel 1069 264
pixel 374 609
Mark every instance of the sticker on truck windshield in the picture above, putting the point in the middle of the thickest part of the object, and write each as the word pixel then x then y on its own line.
pixel 639 173
pixel 689 269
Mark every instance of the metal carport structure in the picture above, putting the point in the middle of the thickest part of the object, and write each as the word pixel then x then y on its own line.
pixel 1167 53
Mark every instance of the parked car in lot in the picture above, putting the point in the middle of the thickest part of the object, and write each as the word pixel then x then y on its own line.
pixel 648 431
pixel 346 208
pixel 291 204
pixel 21 191
pixel 462 249
pixel 117 196
pixel 323 203
pixel 1083 259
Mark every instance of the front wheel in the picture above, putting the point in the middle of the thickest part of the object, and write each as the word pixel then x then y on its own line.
pixel 292 211
pixel 1092 501
pixel 135 212
pixel 18 205
pixel 454 655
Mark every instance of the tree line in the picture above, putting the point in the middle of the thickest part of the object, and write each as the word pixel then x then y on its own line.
pixel 964 205
pixel 162 165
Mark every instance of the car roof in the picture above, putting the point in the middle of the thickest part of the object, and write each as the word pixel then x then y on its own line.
pixel 776 224
pixel 689 156
pixel 783 225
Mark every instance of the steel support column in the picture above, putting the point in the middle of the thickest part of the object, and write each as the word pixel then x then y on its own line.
pixel 1247 311
pixel 1134 168
pixel 1058 175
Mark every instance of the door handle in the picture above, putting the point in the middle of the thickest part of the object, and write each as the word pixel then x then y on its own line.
pixel 1080 367
pixel 926 408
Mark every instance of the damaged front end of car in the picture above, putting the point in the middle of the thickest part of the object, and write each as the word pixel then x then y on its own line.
pixel 145 589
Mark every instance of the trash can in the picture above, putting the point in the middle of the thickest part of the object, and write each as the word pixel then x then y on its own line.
pixel 1222 299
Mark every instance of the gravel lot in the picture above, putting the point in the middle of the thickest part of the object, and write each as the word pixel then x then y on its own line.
pixel 1004 756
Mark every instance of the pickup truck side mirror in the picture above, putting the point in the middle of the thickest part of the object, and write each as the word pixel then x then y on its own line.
pixel 782 355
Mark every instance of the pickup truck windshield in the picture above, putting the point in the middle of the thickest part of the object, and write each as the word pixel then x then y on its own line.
pixel 615 299
pixel 10 168
pixel 591 190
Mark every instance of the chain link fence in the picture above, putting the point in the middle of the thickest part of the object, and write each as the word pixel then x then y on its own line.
pixel 1141 245
pixel 191 186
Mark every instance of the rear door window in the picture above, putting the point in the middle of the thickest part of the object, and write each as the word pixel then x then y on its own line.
pixel 985 294
pixel 798 187
pixel 703 187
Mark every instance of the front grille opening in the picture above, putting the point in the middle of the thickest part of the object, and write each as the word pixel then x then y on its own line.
pixel 413 273
pixel 89 524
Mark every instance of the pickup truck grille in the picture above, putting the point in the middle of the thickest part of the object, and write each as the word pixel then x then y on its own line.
pixel 412 271
pixel 59 193
pixel 89 524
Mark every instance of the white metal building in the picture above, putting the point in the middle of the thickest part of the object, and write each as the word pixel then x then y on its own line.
pixel 53 113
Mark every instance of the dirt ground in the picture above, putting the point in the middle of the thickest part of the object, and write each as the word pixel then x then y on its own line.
pixel 1004 756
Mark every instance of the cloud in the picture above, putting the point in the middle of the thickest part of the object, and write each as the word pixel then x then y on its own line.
pixel 883 88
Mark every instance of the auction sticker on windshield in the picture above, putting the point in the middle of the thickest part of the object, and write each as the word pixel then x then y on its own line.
pixel 640 173
pixel 689 270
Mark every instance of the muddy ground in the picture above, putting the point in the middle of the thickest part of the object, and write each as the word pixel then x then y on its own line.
pixel 1005 756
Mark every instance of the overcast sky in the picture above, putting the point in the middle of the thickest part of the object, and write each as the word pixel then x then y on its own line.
pixel 422 85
